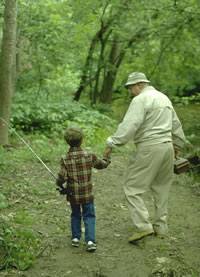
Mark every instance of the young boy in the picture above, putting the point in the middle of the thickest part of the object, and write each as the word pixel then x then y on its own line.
pixel 76 172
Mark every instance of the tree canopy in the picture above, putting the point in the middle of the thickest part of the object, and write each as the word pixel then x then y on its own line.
pixel 84 50
pixel 72 47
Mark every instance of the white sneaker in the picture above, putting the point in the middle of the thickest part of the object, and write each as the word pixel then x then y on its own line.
pixel 91 246
pixel 75 242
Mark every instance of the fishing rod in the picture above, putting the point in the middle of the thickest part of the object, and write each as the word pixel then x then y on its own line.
pixel 8 125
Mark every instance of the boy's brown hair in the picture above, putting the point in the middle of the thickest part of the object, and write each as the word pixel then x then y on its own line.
pixel 74 136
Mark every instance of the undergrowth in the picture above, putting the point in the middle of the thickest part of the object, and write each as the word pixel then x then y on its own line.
pixel 52 118
pixel 18 243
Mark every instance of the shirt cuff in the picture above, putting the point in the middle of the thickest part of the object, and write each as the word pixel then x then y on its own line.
pixel 110 142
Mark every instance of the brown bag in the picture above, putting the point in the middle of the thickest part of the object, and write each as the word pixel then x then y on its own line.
pixel 181 165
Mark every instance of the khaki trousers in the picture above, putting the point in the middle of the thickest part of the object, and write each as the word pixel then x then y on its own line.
pixel 151 167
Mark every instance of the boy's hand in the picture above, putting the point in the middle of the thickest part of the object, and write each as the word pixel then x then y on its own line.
pixel 62 190
pixel 107 152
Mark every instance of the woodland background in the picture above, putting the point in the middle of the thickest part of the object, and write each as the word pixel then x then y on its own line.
pixel 60 57
pixel 65 62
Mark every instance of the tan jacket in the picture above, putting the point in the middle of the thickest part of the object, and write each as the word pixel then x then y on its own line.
pixel 149 120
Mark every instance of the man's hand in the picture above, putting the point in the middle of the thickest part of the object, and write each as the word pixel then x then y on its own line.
pixel 176 153
pixel 107 152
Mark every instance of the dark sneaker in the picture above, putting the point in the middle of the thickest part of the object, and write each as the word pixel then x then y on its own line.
pixel 75 242
pixel 91 246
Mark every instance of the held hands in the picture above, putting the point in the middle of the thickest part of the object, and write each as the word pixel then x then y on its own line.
pixel 107 152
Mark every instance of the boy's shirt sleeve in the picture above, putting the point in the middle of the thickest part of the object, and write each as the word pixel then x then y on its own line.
pixel 62 174
pixel 99 163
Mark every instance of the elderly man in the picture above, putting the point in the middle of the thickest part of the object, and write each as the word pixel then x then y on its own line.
pixel 153 125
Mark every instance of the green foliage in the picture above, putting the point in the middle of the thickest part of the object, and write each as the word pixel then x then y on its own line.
pixel 55 37
pixel 18 243
pixel 3 201
pixel 165 53
pixel 186 100
pixel 188 110
pixel 45 39
pixel 43 123
pixel 103 108
pixel 2 161
pixel 52 118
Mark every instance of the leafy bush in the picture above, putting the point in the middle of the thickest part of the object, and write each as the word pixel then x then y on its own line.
pixel 31 114
pixel 188 112
pixel 186 99
pixel 2 161
pixel 18 243
pixel 3 201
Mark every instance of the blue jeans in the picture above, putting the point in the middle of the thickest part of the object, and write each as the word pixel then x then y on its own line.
pixel 89 219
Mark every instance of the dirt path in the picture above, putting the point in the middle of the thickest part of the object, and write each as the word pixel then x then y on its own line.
pixel 178 255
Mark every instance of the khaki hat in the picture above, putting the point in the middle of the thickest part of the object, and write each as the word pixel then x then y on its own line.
pixel 136 77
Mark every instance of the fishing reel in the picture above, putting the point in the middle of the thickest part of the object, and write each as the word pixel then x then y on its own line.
pixel 65 191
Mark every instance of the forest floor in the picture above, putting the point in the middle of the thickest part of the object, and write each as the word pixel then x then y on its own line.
pixel 178 255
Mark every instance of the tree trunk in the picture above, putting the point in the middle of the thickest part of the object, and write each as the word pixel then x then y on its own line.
pixel 7 66
pixel 106 94
pixel 98 36
pixel 100 66
pixel 86 68
pixel 116 57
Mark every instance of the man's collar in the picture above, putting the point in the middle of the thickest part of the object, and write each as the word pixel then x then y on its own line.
pixel 147 88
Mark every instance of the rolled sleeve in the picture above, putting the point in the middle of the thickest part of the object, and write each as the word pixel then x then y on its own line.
pixel 130 125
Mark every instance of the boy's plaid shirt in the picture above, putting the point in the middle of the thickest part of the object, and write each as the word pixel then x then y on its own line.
pixel 76 171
